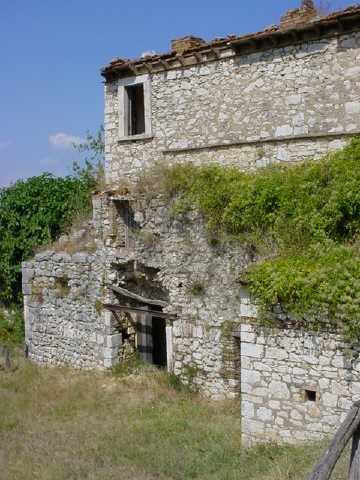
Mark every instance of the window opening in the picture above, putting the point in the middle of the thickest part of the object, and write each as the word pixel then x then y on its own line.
pixel 135 109
pixel 310 395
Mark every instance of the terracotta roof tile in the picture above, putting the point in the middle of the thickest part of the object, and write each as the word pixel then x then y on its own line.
pixel 123 67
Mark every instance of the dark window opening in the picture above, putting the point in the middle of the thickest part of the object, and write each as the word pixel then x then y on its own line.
pixel 159 341
pixel 135 110
pixel 310 395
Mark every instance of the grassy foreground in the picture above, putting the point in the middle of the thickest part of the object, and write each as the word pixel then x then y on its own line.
pixel 57 424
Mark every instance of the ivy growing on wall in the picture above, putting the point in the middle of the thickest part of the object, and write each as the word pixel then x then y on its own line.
pixel 303 223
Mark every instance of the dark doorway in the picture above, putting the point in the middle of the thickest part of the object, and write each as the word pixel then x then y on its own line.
pixel 159 341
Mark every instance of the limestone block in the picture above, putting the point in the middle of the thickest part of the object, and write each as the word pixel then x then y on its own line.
pixel 352 108
pixel 277 353
pixel 113 341
pixel 250 376
pixel 279 390
pixel 252 350
pixel 264 414
pixel 247 409
pixel 329 399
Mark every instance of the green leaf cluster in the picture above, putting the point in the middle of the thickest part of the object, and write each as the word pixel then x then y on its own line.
pixel 11 327
pixel 33 212
pixel 302 220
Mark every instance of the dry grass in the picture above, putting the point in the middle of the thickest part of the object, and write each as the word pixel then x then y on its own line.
pixel 56 424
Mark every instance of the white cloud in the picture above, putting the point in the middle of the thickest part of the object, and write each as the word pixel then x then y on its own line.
pixel 64 140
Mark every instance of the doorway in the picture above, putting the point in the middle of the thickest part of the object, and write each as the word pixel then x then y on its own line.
pixel 159 341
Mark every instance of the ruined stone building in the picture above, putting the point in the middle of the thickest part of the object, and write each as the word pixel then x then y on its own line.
pixel 142 280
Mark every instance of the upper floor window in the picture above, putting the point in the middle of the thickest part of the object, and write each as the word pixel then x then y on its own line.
pixel 134 108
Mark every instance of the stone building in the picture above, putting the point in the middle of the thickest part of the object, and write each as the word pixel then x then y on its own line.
pixel 135 278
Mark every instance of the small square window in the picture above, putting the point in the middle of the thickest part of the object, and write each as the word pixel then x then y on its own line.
pixel 310 396
pixel 135 109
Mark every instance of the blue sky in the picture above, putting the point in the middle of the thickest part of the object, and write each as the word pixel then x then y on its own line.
pixel 51 52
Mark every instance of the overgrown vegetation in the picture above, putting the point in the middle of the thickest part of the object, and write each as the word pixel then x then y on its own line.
pixel 301 221
pixel 35 211
pixel 66 425
pixel 11 327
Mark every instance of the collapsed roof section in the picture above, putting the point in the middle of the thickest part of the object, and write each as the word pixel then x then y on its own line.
pixel 189 51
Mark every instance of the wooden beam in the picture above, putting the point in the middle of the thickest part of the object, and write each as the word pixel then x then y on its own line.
pixel 148 67
pixel 354 471
pixel 133 69
pixel 164 63
pixel 325 467
pixel 198 56
pixel 215 51
pixel 139 298
pixel 181 59
pixel 125 308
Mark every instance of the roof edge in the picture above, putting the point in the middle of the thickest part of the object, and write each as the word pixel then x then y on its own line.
pixel 340 22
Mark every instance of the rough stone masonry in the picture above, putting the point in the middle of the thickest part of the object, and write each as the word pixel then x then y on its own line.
pixel 148 283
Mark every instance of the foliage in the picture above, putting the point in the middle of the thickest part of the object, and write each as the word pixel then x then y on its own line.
pixel 131 365
pixel 11 327
pixel 33 212
pixel 196 288
pixel 92 168
pixel 304 220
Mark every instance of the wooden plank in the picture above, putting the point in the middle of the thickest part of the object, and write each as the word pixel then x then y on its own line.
pixel 139 298
pixel 325 467
pixel 126 308
pixel 354 472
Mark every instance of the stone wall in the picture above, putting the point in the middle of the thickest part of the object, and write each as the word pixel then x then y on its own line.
pixel 296 386
pixel 201 284
pixel 65 323
pixel 281 105
pixel 161 258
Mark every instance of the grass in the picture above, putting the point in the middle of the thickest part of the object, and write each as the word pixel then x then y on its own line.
pixel 63 425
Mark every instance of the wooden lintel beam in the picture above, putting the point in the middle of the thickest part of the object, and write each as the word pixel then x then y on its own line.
pixel 137 297
pixel 126 308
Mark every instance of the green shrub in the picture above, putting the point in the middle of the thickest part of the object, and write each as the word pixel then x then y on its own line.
pixel 132 365
pixel 304 220
pixel 33 212
pixel 11 327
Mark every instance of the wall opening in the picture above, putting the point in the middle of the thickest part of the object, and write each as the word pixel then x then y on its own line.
pixel 151 339
pixel 123 223
pixel 135 109
pixel 159 342
pixel 310 395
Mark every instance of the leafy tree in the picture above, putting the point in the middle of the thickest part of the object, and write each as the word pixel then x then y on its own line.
pixel 33 212
pixel 92 167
